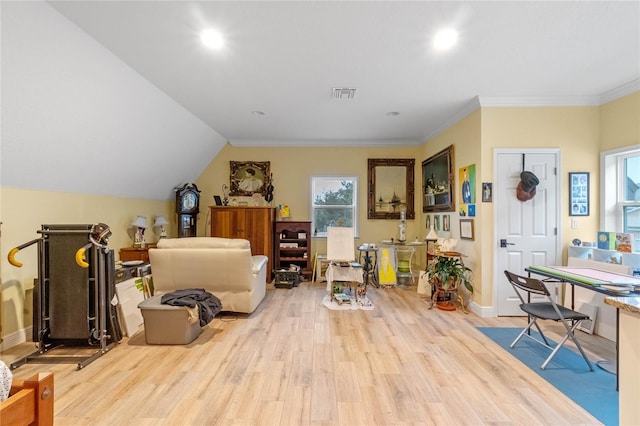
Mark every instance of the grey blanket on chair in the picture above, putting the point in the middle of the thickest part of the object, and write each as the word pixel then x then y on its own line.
pixel 208 304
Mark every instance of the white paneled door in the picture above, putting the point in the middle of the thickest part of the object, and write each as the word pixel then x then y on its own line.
pixel 527 232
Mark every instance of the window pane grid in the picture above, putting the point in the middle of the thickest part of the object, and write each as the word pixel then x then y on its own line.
pixel 631 178
pixel 333 203
pixel 621 194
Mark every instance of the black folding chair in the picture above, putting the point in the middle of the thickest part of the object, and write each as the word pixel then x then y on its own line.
pixel 550 310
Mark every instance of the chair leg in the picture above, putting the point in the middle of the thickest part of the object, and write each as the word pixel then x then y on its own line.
pixel 546 342
pixel 570 334
pixel 526 329
pixel 315 263
pixel 562 342
pixel 579 346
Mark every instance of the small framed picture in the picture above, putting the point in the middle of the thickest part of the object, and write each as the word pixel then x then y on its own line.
pixel 471 210
pixel 487 192
pixel 428 222
pixel 466 229
pixel 436 222
pixel 217 200
pixel 446 224
pixel 579 194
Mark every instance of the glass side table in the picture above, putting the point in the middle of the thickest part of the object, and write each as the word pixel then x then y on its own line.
pixel 404 260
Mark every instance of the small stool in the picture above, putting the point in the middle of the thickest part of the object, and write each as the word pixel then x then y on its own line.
pixel 168 325
pixel 320 264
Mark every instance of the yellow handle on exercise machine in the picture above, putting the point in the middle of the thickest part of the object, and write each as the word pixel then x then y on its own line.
pixel 80 259
pixel 11 257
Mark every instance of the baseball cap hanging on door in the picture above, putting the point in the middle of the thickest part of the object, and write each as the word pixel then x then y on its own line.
pixel 526 189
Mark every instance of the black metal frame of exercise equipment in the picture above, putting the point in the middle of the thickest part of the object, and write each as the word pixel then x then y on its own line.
pixel 71 302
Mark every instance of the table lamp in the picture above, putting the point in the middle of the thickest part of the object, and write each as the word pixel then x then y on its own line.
pixel 141 224
pixel 160 223
pixel 432 237
pixel 402 226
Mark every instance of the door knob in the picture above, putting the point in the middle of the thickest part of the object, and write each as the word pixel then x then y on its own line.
pixel 504 243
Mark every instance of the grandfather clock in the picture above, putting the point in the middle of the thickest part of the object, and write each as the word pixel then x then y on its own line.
pixel 187 208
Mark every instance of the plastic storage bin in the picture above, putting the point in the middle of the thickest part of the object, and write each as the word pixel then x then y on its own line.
pixel 166 324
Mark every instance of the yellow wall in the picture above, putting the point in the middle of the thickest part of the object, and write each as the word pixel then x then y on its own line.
pixel 292 170
pixel 620 123
pixel 465 138
pixel 24 212
pixel 575 130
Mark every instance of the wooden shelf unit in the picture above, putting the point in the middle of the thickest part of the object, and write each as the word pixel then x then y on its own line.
pixel 289 233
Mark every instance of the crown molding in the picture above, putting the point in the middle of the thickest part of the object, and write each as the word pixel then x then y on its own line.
pixel 620 91
pixel 534 101
pixel 325 142
pixel 467 109
pixel 558 101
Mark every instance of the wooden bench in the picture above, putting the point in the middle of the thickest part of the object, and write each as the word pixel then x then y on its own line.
pixel 30 402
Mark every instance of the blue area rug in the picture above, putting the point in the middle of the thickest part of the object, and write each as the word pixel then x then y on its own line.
pixel 594 391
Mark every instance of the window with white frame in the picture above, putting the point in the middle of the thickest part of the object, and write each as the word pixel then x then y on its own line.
pixel 334 202
pixel 621 192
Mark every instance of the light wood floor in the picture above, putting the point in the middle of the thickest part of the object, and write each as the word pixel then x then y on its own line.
pixel 293 362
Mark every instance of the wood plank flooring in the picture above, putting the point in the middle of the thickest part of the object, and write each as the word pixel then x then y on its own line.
pixel 294 362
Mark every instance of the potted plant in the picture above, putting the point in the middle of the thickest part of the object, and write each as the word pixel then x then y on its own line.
pixel 448 273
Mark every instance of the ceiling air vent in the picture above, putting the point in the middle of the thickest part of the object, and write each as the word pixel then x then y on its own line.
pixel 343 93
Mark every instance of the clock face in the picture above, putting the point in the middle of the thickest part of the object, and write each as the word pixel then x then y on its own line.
pixel 189 201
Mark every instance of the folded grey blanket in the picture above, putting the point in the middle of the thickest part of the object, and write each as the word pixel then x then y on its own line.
pixel 208 304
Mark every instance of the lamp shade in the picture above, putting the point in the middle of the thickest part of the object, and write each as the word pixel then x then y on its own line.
pixel 140 222
pixel 432 235
pixel 160 221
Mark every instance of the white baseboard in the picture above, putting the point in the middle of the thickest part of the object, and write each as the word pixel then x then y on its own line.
pixel 482 311
pixel 14 339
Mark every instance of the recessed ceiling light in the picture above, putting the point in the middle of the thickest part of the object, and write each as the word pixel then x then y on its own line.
pixel 445 39
pixel 393 113
pixel 211 39
pixel 256 112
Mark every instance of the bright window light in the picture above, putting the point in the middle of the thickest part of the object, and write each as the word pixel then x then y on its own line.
pixel 211 39
pixel 445 39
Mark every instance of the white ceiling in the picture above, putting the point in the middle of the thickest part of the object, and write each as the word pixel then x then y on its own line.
pixel 283 58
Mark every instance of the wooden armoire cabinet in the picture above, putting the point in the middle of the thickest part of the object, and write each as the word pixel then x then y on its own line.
pixel 251 223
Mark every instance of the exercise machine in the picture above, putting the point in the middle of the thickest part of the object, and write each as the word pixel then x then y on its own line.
pixel 71 301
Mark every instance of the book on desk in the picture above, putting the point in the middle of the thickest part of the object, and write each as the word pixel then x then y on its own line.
pixel 347 264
